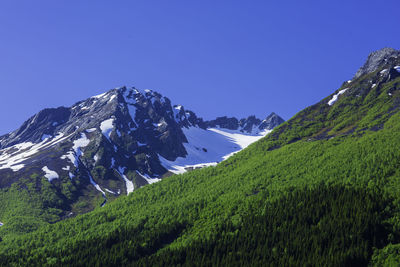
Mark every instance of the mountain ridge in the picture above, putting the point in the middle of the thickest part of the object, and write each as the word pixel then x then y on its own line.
pixel 113 143
pixel 186 118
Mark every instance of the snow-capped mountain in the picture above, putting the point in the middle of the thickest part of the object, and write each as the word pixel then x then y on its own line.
pixel 121 140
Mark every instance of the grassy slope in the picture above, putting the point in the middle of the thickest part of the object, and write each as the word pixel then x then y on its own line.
pixel 32 202
pixel 183 210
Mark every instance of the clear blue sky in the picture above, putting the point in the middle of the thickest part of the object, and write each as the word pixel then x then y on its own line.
pixel 215 57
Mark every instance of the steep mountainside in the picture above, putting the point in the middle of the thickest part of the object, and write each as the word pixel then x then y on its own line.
pixel 322 189
pixel 67 161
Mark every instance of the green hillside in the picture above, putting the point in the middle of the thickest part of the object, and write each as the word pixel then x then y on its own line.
pixel 323 189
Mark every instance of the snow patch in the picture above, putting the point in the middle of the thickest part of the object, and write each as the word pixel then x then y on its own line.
pixel 107 127
pixel 98 188
pixel 112 97
pixel 373 86
pixel 397 68
pixel 335 97
pixel 148 178
pixel 91 130
pixel 67 168
pixel 99 96
pixel 128 183
pixel 46 137
pixel 49 174
pixel 74 155
pixel 70 155
pixel 109 191
pixel 81 142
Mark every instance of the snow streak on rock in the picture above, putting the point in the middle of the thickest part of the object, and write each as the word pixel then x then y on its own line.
pixel 335 97
pixel 128 183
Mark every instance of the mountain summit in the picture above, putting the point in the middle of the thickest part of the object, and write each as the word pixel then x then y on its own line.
pixel 376 59
pixel 110 144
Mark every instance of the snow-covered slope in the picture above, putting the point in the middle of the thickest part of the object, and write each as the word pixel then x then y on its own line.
pixel 207 147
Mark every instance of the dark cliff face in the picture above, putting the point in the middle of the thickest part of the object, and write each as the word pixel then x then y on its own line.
pixel 224 122
pixel 248 125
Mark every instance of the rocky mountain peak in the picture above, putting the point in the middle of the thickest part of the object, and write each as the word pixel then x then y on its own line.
pixel 376 59
pixel 271 121
pixel 115 142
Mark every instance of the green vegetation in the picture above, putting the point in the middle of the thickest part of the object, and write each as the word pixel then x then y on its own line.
pixel 322 190
pixel 302 228
pixel 28 204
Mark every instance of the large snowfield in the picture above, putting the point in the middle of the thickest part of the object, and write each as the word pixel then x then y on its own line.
pixel 209 147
